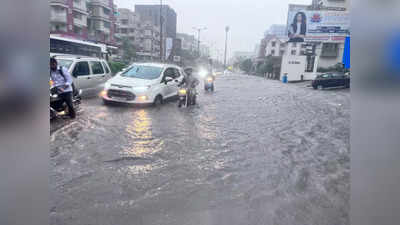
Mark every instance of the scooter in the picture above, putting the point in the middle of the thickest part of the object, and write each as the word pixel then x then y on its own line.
pixel 59 108
pixel 186 97
pixel 209 83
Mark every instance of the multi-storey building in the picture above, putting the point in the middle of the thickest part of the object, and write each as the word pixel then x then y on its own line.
pixel 69 18
pixel 92 20
pixel 152 13
pixel 101 22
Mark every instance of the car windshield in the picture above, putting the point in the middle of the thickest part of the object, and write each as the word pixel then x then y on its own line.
pixel 143 72
pixel 65 63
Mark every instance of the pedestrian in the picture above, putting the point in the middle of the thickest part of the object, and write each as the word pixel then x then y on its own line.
pixel 63 81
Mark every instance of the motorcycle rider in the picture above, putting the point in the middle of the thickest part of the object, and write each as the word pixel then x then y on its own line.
pixel 189 81
pixel 63 81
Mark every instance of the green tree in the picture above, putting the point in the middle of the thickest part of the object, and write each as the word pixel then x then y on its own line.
pixel 129 51
pixel 246 65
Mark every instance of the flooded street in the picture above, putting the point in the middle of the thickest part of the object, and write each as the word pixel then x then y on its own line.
pixel 253 152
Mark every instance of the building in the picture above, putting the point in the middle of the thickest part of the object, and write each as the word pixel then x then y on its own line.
pixel 189 42
pixel 152 13
pixel 69 18
pixel 332 4
pixel 102 21
pixel 143 35
pixel 91 20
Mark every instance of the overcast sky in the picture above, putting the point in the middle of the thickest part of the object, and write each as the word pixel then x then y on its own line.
pixel 248 19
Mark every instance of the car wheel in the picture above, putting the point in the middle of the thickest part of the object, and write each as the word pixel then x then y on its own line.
pixel 158 101
pixel 320 87
pixel 105 102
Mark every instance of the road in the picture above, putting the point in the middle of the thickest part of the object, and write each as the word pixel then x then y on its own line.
pixel 254 152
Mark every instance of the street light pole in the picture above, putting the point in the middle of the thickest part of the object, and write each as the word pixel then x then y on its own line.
pixel 226 44
pixel 161 33
pixel 198 38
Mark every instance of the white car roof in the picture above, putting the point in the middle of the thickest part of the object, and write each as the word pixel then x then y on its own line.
pixel 76 57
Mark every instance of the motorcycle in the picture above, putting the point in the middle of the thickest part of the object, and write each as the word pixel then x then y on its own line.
pixel 209 83
pixel 58 107
pixel 186 97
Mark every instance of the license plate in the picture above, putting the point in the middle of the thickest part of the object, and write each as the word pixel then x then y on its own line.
pixel 119 99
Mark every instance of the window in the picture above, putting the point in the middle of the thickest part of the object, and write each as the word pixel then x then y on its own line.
pixel 273 52
pixel 97 68
pixel 294 44
pixel 124 22
pixel 106 24
pixel 170 72
pixel 77 16
pixel 77 30
pixel 294 52
pixel 327 75
pixel 143 72
pixel 81 69
pixel 176 73
pixel 281 53
pixel 273 44
pixel 106 11
pixel 106 67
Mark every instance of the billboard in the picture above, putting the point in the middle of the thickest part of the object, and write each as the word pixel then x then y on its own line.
pixel 318 26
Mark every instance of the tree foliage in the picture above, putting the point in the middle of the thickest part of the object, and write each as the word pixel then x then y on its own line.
pixel 129 51
pixel 246 65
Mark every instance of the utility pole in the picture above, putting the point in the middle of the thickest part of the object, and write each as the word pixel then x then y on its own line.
pixel 198 38
pixel 226 44
pixel 161 32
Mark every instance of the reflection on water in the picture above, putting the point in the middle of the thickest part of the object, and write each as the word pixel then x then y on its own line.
pixel 140 132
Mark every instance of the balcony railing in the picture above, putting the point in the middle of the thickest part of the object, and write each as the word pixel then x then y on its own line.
pixel 81 22
pixel 58 17
pixel 81 6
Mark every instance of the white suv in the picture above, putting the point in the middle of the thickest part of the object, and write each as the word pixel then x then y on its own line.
pixel 88 73
pixel 144 83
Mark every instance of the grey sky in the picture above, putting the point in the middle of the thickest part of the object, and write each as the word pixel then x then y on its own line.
pixel 248 19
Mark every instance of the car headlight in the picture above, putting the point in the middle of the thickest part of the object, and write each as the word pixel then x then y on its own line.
pixel 203 73
pixel 182 92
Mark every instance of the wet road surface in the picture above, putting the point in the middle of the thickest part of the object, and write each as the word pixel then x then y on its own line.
pixel 254 152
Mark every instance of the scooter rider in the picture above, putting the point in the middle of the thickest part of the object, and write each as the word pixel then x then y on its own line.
pixel 189 81
pixel 63 81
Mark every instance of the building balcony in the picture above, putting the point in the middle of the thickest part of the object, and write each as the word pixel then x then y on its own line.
pixel 80 7
pixel 58 17
pixel 62 3
pixel 80 22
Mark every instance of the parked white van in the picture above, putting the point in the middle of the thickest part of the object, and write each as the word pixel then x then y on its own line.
pixel 87 72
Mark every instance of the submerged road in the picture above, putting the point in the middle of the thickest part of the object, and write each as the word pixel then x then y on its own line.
pixel 253 152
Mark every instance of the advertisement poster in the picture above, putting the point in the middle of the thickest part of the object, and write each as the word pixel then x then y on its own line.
pixel 319 26
pixel 168 47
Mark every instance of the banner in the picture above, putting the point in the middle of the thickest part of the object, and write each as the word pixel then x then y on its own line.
pixel 168 47
pixel 319 26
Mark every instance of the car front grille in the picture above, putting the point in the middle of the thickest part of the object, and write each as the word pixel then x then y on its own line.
pixel 121 94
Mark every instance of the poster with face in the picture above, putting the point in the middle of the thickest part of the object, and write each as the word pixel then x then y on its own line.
pixel 317 26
